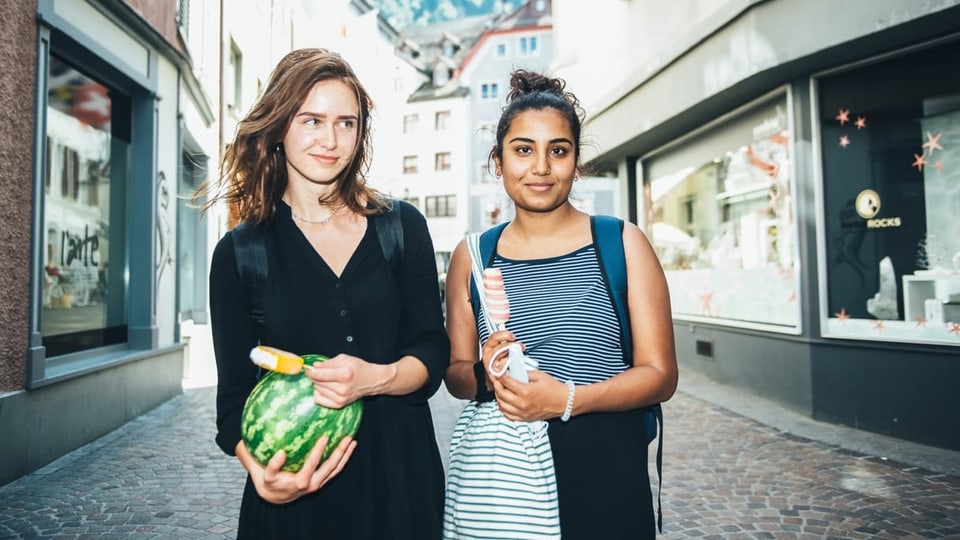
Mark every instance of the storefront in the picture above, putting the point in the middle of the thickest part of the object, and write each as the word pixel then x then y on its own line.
pixel 804 213
pixel 111 100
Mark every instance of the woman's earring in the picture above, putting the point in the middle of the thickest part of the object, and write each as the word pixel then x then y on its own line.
pixel 277 148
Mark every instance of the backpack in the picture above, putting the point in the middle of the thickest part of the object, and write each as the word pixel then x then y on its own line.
pixel 250 252
pixel 607 234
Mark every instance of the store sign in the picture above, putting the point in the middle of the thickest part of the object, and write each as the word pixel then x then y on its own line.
pixel 868 206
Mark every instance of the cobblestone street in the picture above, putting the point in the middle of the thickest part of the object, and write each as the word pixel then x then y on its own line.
pixel 726 476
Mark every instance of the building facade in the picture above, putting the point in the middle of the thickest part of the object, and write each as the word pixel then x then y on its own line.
pixel 92 329
pixel 795 165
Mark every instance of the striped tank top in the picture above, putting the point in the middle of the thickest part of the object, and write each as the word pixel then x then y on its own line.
pixel 561 311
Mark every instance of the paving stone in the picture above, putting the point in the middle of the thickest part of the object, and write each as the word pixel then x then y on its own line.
pixel 725 477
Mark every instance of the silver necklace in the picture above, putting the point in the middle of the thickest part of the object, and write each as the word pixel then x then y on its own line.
pixel 323 221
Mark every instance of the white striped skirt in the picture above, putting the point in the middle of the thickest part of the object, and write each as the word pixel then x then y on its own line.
pixel 500 483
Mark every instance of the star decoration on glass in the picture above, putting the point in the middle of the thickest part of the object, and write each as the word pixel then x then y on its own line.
pixel 921 322
pixel 919 162
pixel 955 328
pixel 844 116
pixel 844 141
pixel 861 122
pixel 878 325
pixel 842 315
pixel 938 165
pixel 705 300
pixel 933 142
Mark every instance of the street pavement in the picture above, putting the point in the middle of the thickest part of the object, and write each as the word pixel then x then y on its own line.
pixel 748 469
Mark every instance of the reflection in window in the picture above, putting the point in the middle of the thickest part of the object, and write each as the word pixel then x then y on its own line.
pixel 721 222
pixel 83 296
pixel 891 171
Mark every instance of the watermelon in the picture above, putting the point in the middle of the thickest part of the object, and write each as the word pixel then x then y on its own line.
pixel 280 414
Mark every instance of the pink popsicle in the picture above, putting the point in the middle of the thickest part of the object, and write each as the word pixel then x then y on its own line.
pixel 495 296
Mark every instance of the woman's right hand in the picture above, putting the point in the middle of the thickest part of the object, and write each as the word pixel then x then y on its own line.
pixel 496 342
pixel 278 487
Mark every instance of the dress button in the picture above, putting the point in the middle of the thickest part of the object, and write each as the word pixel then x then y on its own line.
pixel 343 312
pixel 349 339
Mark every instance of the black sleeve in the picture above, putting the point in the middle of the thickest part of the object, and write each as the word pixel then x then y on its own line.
pixel 422 334
pixel 233 337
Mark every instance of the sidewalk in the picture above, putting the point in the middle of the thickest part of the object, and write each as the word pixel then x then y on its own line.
pixel 726 475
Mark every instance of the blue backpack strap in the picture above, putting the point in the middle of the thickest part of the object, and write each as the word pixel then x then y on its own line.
pixel 488 248
pixel 608 237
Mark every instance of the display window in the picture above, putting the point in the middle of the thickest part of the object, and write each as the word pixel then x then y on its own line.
pixel 84 285
pixel 889 157
pixel 719 211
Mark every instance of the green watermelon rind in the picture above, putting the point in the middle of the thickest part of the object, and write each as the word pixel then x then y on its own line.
pixel 260 409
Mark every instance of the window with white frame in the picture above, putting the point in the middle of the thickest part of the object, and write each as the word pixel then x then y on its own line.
pixel 409 164
pixel 441 206
pixel 489 91
pixel 234 77
pixel 410 123
pixel 529 46
pixel 183 16
pixel 485 175
pixel 501 50
pixel 442 121
pixel 442 161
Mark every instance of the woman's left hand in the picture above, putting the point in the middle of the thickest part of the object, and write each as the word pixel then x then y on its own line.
pixel 341 380
pixel 540 399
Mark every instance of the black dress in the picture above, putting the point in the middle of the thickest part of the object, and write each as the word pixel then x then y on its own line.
pixel 392 487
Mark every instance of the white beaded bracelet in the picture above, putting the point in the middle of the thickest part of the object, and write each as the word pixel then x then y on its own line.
pixel 568 410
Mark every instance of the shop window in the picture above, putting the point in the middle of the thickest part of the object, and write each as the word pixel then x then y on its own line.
pixel 719 214
pixel 889 135
pixel 84 288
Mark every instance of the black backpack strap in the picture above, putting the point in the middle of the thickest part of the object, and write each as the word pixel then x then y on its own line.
pixel 390 233
pixel 250 252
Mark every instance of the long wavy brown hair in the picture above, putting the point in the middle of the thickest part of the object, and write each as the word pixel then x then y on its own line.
pixel 253 175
